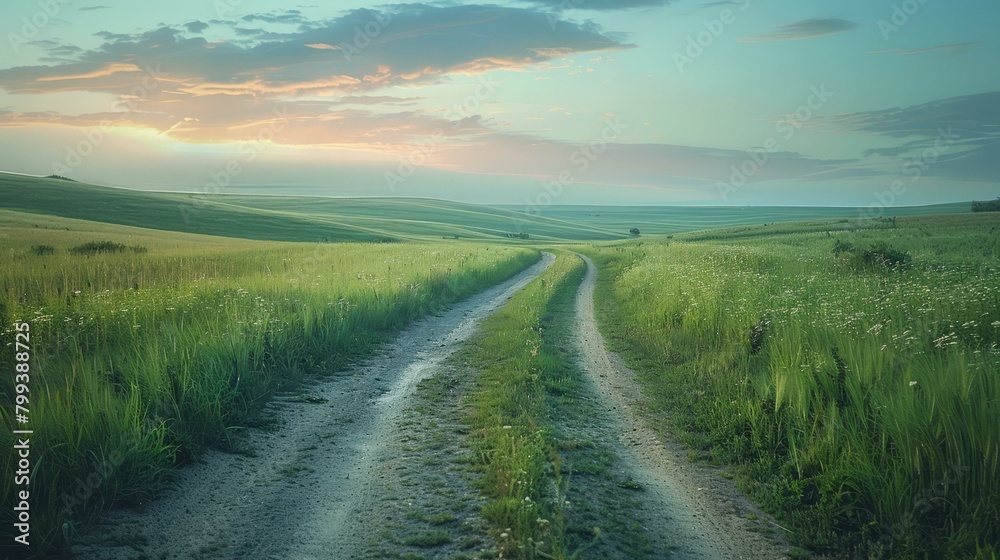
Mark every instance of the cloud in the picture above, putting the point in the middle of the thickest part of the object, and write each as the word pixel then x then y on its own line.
pixel 193 90
pixel 196 26
pixel 114 37
pixel 93 8
pixel 417 44
pixel 323 46
pixel 804 29
pixel 56 52
pixel 377 100
pixel 601 5
pixel 326 86
pixel 100 73
pixel 288 16
pixel 957 47
pixel 960 134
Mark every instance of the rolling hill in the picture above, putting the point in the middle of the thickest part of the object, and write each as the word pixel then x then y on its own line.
pixel 322 219
pixel 284 218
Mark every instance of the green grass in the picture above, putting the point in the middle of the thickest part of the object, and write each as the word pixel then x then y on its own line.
pixel 428 539
pixel 670 220
pixel 861 405
pixel 511 430
pixel 141 359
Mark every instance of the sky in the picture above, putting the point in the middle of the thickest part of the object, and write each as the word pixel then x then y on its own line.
pixel 537 102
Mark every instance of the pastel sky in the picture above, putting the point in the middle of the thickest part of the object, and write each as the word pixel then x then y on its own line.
pixel 741 102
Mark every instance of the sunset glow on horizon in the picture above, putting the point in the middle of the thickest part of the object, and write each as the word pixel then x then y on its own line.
pixel 591 101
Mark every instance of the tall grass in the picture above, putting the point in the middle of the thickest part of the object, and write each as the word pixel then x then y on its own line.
pixel 510 418
pixel 862 405
pixel 141 360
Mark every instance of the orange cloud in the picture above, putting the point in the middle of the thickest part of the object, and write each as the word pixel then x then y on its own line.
pixel 106 71
pixel 323 47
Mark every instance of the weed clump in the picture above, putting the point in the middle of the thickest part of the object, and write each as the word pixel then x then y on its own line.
pixel 880 256
pixel 92 248
pixel 42 250
pixel 757 335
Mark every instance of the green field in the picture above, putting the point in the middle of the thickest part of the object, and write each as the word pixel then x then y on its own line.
pixel 858 396
pixel 318 219
pixel 854 392
pixel 668 220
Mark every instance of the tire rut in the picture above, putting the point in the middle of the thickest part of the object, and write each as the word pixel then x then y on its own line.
pixel 701 514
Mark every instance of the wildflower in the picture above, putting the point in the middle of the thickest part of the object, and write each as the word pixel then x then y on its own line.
pixel 912 383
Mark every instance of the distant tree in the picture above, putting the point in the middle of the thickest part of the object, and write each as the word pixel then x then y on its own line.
pixel 634 231
pixel 991 206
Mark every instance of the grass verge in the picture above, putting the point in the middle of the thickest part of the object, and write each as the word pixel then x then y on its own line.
pixel 139 360
pixel 860 405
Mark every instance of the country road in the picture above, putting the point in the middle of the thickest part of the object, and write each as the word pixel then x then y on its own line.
pixel 314 486
pixel 699 514
pixel 300 493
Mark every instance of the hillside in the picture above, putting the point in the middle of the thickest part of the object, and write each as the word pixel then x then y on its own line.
pixel 668 220
pixel 283 218
pixel 302 218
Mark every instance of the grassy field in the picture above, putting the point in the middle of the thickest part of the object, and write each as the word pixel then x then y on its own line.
pixel 145 353
pixel 856 390
pixel 319 219
pixel 286 218
pixel 858 394
pixel 668 220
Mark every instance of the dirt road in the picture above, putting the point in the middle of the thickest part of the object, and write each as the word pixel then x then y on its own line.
pixel 301 493
pixel 699 513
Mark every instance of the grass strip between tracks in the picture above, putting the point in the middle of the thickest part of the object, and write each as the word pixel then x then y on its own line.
pixel 512 429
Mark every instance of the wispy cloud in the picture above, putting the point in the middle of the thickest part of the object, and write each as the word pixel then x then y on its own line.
pixel 956 47
pixel 804 29
pixel 971 123
pixel 93 8
pixel 602 5
pixel 288 16
pixel 323 46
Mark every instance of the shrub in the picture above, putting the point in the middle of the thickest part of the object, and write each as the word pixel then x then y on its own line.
pixel 841 247
pixel 879 256
pixel 94 247
pixel 42 250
